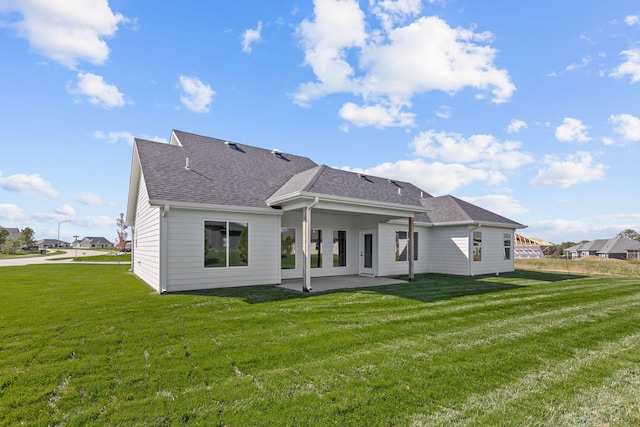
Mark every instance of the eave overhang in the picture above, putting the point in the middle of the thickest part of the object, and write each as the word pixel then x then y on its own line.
pixel 301 199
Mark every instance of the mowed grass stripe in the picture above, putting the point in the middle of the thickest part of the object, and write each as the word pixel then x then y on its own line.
pixel 92 345
pixel 535 382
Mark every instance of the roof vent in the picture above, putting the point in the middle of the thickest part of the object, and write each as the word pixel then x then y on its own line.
pixel 363 176
pixel 186 165
pixel 234 146
pixel 399 191
pixel 390 181
pixel 276 152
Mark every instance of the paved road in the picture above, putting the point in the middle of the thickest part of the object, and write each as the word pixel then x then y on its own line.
pixel 47 259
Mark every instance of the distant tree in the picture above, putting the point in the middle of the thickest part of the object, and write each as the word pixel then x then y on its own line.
pixel 27 237
pixel 631 234
pixel 3 236
pixel 11 246
pixel 122 226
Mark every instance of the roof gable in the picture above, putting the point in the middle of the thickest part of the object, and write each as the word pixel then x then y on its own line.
pixel 450 209
pixel 618 245
pixel 218 173
pixel 326 181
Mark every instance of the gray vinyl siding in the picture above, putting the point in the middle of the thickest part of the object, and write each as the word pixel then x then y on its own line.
pixel 387 264
pixel 448 250
pixel 185 246
pixel 327 223
pixel 493 252
pixel 146 244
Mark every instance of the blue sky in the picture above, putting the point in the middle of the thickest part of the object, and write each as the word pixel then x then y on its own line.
pixel 529 109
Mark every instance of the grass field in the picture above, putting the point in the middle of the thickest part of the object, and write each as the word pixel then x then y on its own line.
pixel 92 345
pixel 586 265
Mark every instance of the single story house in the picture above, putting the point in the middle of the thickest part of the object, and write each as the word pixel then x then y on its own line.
pixel 620 248
pixel 93 243
pixel 617 247
pixel 209 213
pixel 52 243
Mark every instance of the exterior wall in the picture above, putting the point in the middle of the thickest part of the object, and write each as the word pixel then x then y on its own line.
pixel 327 223
pixel 493 252
pixel 387 250
pixel 146 245
pixel 185 251
pixel 448 250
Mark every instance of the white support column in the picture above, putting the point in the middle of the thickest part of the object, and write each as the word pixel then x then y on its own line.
pixel 306 249
pixel 410 252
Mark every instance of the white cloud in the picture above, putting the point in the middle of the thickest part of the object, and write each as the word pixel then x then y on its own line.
pixel 250 37
pixel 95 222
pixel 114 136
pixel 9 212
pixel 631 66
pixel 435 178
pixel 627 125
pixel 479 150
pixel 395 64
pixel 100 94
pixel 28 184
pixel 572 130
pixel 92 199
pixel 631 20
pixel 499 203
pixel 65 210
pixel 66 31
pixel 599 227
pixel 516 126
pixel 376 115
pixel 443 112
pixel 574 169
pixel 585 61
pixel 196 96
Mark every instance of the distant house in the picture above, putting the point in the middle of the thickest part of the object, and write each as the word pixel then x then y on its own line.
pixel 616 248
pixel 208 213
pixel 51 243
pixel 14 233
pixel 93 243
pixel 585 249
pixel 620 248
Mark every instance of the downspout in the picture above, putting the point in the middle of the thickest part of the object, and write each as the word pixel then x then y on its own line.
pixel 164 238
pixel 306 245
pixel 470 248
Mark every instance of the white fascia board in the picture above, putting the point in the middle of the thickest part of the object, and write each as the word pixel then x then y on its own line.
pixel 479 224
pixel 134 186
pixel 211 207
pixel 346 204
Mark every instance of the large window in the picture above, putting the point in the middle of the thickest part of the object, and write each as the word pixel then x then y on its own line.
pixel 226 244
pixel 288 245
pixel 402 245
pixel 477 245
pixel 339 248
pixel 507 246
pixel 316 248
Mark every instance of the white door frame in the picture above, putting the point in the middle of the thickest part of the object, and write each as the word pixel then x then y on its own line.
pixel 362 269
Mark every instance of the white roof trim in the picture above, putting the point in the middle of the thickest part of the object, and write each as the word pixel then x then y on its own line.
pixel 210 207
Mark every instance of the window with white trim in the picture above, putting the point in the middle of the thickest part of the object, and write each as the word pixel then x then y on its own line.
pixel 402 245
pixel 477 245
pixel 507 246
pixel 226 244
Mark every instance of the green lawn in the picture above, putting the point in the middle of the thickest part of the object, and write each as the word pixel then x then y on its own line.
pixel 92 345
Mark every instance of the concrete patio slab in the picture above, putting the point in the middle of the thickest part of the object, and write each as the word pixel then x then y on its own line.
pixel 321 284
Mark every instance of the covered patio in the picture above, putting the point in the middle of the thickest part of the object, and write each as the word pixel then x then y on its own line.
pixel 329 283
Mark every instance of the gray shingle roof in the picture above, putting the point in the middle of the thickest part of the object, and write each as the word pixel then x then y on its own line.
pixel 241 175
pixel 324 180
pixel 219 175
pixel 619 245
pixel 450 209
